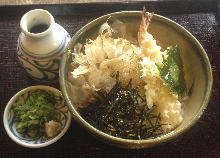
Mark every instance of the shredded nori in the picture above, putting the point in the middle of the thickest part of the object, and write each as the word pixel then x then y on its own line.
pixel 123 113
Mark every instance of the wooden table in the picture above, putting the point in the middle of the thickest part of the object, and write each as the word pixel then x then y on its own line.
pixel 199 17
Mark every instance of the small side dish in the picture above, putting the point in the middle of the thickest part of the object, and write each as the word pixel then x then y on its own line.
pixel 36 116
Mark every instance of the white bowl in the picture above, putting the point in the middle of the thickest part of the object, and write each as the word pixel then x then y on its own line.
pixel 8 119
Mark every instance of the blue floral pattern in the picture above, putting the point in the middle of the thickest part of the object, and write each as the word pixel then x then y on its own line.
pixel 43 69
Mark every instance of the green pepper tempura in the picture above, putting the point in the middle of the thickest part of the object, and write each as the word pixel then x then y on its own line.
pixel 172 71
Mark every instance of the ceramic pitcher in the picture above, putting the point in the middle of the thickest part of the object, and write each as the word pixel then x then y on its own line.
pixel 41 44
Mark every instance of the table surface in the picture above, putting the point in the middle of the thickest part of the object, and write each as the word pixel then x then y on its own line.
pixel 34 2
pixel 202 140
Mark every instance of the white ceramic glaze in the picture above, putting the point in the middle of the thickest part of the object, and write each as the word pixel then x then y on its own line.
pixel 41 141
pixel 40 53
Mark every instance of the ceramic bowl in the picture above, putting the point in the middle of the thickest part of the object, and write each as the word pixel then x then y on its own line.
pixel 9 123
pixel 167 33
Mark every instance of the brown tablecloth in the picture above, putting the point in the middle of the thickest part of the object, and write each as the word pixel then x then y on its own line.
pixel 202 140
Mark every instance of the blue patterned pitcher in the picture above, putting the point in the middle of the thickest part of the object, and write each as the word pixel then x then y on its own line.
pixel 41 44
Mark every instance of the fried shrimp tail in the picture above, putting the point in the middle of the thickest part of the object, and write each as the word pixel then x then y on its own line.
pixel 146 18
pixel 146 41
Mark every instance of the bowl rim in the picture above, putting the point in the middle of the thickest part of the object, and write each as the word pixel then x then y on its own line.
pixel 20 142
pixel 121 142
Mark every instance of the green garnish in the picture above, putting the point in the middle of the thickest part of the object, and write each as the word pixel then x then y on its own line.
pixel 172 71
pixel 123 113
pixel 32 115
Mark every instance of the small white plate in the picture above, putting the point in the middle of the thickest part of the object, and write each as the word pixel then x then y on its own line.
pixel 9 123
